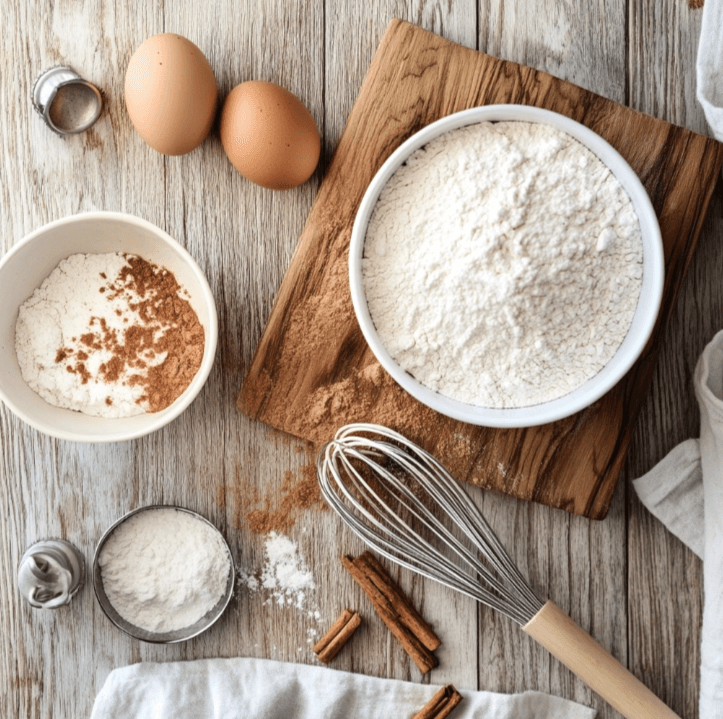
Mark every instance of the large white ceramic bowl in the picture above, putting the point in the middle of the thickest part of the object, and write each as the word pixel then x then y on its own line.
pixel 645 314
pixel 32 259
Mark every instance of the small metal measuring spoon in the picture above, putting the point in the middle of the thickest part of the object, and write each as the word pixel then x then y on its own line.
pixel 67 103
pixel 50 573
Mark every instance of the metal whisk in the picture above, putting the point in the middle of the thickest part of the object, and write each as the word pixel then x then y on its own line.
pixel 396 497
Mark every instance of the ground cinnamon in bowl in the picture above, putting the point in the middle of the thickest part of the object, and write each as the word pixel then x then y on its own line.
pixel 110 335
pixel 181 336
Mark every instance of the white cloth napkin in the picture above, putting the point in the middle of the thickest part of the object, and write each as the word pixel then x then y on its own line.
pixel 710 65
pixel 685 491
pixel 264 689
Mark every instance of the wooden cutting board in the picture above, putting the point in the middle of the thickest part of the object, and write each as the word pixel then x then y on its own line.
pixel 313 371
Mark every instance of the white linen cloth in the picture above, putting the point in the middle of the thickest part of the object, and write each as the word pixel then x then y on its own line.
pixel 710 65
pixel 685 491
pixel 264 689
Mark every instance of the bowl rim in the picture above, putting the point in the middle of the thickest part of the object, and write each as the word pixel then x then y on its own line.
pixel 164 417
pixel 127 627
pixel 648 311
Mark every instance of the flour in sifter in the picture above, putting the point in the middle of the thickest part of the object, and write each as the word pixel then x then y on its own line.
pixel 164 569
pixel 503 264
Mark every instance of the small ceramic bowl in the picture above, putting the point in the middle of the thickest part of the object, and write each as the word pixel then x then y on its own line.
pixel 179 635
pixel 32 259
pixel 645 315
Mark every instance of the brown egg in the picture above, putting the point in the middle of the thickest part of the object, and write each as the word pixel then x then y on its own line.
pixel 269 136
pixel 171 94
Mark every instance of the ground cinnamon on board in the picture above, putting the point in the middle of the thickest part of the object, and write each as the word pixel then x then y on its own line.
pixel 276 510
pixel 366 393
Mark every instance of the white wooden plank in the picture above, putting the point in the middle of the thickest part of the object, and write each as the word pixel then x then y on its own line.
pixel 665 579
pixel 52 488
pixel 347 62
pixel 243 237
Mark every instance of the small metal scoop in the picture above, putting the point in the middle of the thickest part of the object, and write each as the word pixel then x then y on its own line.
pixel 50 573
pixel 67 103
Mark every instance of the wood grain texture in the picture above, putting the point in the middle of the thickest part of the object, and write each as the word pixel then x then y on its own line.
pixel 582 48
pixel 625 580
pixel 310 373
pixel 665 578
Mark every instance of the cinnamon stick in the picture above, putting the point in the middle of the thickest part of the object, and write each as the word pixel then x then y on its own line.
pixel 389 609
pixel 440 705
pixel 341 630
pixel 409 616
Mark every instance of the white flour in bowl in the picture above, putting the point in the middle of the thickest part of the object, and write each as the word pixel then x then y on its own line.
pixel 503 264
pixel 110 335
pixel 55 317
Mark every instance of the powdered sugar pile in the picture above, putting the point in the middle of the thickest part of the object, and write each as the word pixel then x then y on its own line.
pixel 503 264
pixel 285 576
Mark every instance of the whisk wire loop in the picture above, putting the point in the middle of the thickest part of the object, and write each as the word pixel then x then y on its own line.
pixel 435 565
pixel 390 492
pixel 417 508
pixel 467 515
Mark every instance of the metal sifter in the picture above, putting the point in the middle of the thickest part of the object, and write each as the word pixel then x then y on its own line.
pixel 407 506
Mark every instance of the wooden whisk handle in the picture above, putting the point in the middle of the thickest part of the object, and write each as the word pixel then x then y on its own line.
pixel 604 674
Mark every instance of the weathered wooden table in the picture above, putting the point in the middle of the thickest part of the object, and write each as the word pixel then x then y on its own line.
pixel 637 589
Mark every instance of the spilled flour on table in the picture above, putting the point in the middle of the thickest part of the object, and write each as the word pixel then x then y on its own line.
pixel 285 579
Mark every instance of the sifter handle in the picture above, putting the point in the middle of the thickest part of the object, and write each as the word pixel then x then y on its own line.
pixel 604 674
